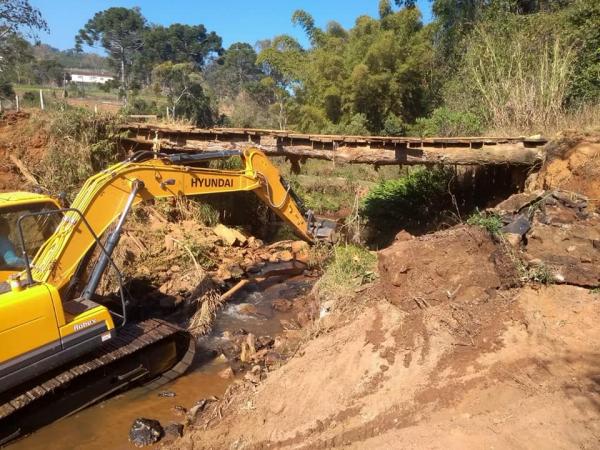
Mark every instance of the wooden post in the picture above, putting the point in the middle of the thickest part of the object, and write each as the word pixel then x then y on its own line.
pixel 96 108
pixel 41 100
pixel 167 113
pixel 17 102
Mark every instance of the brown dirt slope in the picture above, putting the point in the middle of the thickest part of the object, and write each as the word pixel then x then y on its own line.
pixel 573 164
pixel 23 140
pixel 520 371
pixel 471 342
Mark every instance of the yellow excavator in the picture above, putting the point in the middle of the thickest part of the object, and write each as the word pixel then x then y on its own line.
pixel 63 346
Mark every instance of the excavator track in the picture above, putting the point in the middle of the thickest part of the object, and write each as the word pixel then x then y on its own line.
pixel 150 353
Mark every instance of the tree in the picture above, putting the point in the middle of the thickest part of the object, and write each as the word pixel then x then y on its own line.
pixel 120 32
pixel 234 70
pixel 16 15
pixel 181 44
pixel 181 84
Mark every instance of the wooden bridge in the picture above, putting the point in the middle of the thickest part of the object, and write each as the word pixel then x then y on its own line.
pixel 376 150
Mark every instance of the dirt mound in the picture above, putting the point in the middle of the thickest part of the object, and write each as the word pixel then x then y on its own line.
pixel 461 262
pixel 573 164
pixel 389 377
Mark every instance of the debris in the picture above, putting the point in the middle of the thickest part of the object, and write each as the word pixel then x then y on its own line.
pixel 167 394
pixel 282 305
pixel 231 236
pixel 227 373
pixel 145 432
pixel 174 429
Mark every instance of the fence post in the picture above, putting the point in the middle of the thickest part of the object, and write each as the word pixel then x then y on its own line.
pixel 95 108
pixel 17 102
pixel 41 99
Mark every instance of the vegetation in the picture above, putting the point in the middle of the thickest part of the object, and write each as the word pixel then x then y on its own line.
pixel 491 222
pixel 81 144
pixel 415 200
pixel 349 268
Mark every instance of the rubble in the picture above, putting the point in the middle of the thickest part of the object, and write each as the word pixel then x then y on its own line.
pixel 145 432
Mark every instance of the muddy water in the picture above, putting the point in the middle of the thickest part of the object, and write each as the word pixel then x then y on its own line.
pixel 106 425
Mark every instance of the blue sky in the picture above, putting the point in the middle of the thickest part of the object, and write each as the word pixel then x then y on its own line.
pixel 233 20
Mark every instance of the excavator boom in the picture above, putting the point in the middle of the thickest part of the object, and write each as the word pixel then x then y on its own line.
pixel 105 196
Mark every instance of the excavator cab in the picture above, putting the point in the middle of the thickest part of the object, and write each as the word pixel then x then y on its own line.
pixel 36 229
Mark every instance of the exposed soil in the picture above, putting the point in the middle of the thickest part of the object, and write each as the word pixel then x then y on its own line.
pixel 573 164
pixel 467 340
pixel 19 139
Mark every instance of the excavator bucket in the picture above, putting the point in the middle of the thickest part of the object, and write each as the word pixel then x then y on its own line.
pixel 321 228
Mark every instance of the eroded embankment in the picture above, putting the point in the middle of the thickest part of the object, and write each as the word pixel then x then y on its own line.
pixel 466 340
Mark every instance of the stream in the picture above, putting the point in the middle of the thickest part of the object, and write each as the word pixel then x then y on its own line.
pixel 107 424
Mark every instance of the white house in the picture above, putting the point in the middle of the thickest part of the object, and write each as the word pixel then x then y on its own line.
pixel 89 76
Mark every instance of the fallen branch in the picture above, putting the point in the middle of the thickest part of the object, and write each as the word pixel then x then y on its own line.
pixel 24 170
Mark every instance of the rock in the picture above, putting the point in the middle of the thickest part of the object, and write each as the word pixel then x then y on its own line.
pixel 174 429
pixel 254 243
pixel 519 226
pixel 167 394
pixel 513 239
pixel 247 309
pixel 145 432
pixel 227 373
pixel 282 305
pixel 179 410
pixel 285 256
pixel 515 203
pixel 248 348
pixel 299 247
pixel 231 236
pixel 198 407
pixel 403 236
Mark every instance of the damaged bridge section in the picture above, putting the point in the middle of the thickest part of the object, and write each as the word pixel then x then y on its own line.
pixel 375 150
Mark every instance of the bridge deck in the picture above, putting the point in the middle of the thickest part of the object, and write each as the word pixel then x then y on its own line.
pixel 378 150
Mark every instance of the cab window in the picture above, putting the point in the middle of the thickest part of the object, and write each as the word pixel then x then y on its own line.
pixel 36 230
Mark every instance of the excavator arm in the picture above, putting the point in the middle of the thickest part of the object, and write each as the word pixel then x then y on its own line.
pixel 110 194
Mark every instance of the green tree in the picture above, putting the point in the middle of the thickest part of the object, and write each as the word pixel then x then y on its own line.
pixel 120 32
pixel 181 84
pixel 17 16
pixel 234 71
pixel 179 43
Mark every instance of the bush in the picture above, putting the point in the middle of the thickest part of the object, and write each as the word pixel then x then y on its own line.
pixel 6 90
pixel 141 106
pixel 80 144
pixel 491 222
pixel 30 98
pixel 350 267
pixel 409 202
pixel 445 122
